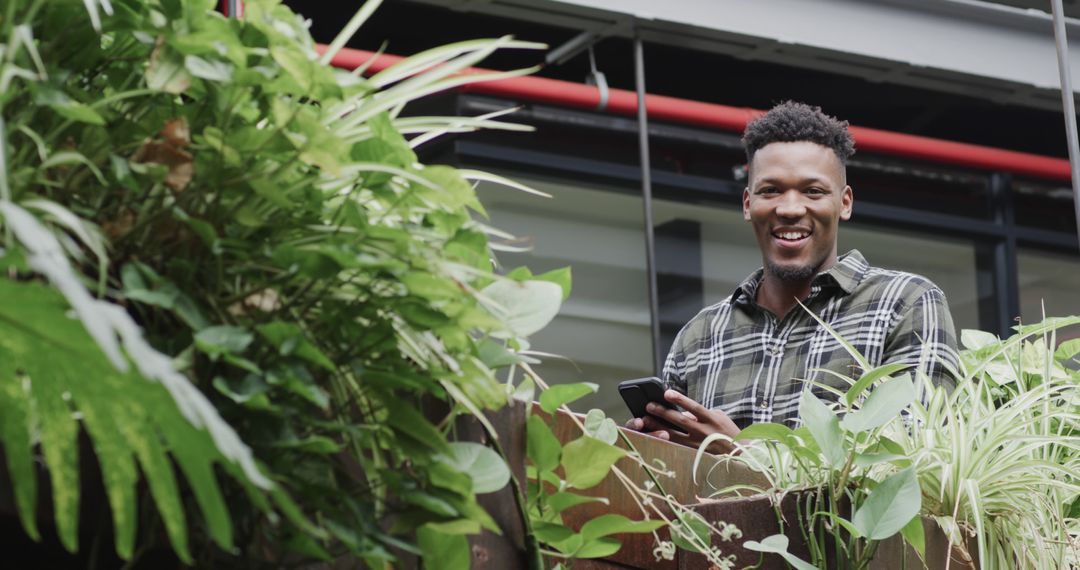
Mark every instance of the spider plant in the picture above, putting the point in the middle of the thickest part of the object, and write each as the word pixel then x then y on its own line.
pixel 997 459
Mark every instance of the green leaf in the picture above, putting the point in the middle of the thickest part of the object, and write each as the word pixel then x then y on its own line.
pixel 563 500
pixel 310 444
pixel 15 430
pixel 825 428
pixel 605 525
pixel 125 416
pixel 495 355
pixel 883 404
pixel 973 339
pixel 869 459
pixel 289 339
pixel 560 277
pixel 217 71
pixel 688 528
pixel 78 112
pixel 550 532
pixel 890 506
pixel 405 418
pixel 1067 350
pixel 525 307
pixel 250 391
pixel 460 526
pixel 431 503
pixel 542 446
pixel 525 391
pixel 767 431
pixel 166 72
pixel 428 286
pixel 597 548
pixel 561 394
pixel 778 544
pixel 59 434
pixel 915 535
pixel 306 546
pixel 223 339
pixel 296 64
pixel 870 377
pixel 443 550
pixel 484 466
pixel 450 189
pixel 601 427
pixel 587 460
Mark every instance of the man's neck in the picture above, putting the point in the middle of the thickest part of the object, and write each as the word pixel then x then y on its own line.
pixel 779 296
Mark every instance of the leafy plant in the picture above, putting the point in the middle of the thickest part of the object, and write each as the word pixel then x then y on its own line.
pixel 227 215
pixel 996 459
pixel 559 473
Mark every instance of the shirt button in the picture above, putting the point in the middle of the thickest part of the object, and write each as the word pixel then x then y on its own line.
pixel 764 404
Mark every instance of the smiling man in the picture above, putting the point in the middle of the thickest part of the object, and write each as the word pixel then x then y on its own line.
pixel 749 357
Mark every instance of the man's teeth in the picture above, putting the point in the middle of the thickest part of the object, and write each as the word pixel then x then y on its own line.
pixel 792 235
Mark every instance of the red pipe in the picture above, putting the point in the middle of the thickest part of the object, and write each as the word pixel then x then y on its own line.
pixel 734 119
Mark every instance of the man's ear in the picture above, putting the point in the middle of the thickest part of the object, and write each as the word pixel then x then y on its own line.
pixel 746 203
pixel 847 199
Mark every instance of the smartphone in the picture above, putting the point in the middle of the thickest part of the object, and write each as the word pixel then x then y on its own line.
pixel 638 393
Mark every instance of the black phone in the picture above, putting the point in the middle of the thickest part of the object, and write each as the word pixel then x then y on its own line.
pixel 637 393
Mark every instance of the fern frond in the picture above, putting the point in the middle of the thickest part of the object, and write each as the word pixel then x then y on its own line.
pixel 52 373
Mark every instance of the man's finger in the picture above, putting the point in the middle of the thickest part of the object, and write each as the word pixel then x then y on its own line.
pixel 635 424
pixel 683 401
pixel 673 417
pixel 652 424
pixel 659 434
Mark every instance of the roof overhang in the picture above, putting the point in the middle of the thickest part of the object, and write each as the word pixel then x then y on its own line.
pixel 981 49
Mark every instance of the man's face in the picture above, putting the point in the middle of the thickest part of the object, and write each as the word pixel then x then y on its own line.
pixel 795 200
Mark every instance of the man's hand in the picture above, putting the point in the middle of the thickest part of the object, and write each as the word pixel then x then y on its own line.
pixel 696 423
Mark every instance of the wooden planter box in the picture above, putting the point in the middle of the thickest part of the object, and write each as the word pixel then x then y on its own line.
pixel 756 516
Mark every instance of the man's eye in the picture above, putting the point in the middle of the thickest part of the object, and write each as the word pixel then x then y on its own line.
pixel 768 190
pixel 815 190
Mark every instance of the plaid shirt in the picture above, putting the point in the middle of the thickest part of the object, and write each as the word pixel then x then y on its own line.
pixel 737 357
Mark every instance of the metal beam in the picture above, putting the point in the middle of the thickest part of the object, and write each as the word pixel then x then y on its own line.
pixel 1068 104
pixel 571 48
pixel 646 204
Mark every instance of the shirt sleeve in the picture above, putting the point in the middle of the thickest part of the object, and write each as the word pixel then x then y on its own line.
pixel 925 337
pixel 674 376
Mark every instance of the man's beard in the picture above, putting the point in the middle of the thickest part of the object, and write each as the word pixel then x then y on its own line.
pixel 788 273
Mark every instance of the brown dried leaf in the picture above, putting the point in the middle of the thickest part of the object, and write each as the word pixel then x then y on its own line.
pixel 121 226
pixel 168 150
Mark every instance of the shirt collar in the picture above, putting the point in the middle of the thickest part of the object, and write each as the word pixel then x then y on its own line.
pixel 848 272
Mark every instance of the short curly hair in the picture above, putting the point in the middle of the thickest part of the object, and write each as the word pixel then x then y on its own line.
pixel 792 121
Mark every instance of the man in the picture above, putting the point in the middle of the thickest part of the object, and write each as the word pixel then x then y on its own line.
pixel 748 358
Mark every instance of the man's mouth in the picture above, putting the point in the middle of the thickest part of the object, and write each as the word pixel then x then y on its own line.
pixel 791 236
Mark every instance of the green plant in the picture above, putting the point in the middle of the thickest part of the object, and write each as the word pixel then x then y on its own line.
pixel 558 473
pixel 976 460
pixel 229 216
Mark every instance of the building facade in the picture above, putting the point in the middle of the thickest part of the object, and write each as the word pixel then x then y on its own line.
pixel 992 223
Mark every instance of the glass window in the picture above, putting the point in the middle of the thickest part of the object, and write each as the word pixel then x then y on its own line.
pixel 1051 279
pixel 603 328
pixel 948 262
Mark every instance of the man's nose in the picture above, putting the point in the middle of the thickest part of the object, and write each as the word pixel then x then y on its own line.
pixel 791 205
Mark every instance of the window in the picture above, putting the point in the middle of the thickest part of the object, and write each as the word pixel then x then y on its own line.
pixel 1053 279
pixel 603 330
